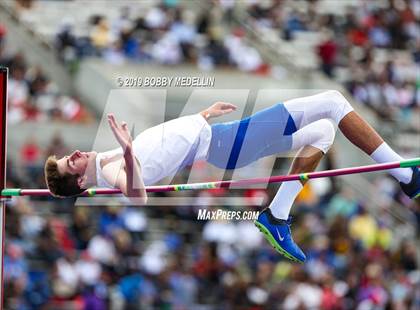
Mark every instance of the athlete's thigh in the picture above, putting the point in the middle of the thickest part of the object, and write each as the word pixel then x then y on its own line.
pixel 239 143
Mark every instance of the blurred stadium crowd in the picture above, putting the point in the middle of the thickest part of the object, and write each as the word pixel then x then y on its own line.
pixel 67 257
pixel 166 34
pixel 63 257
pixel 374 46
pixel 33 96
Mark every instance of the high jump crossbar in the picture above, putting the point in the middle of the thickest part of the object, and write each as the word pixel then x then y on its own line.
pixel 9 192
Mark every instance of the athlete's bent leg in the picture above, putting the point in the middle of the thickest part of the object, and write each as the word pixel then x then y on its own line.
pixel 306 160
pixel 361 134
pixel 313 140
pixel 326 105
pixel 333 105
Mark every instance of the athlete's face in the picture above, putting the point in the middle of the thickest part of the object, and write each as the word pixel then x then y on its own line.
pixel 75 163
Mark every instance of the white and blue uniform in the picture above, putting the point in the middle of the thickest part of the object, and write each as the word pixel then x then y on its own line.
pixel 164 149
pixel 239 143
pixel 280 128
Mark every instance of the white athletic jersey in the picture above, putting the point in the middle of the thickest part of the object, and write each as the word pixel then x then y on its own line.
pixel 164 149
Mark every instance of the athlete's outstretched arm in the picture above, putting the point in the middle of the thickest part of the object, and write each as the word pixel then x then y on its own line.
pixel 218 109
pixel 130 182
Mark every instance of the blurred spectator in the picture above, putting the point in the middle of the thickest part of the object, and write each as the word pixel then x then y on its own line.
pixel 32 96
pixel 101 36
pixel 18 91
pixel 167 50
pixel 295 21
pixel 57 146
pixel 3 32
pixel 327 51
pixel 66 42
pixel 31 157
pixel 115 53
pixel 363 227
pixel 245 57
pixel 15 266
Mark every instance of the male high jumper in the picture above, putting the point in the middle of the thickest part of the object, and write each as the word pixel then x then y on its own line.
pixel 305 124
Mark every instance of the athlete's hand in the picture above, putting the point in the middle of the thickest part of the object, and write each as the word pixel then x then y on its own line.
pixel 121 133
pixel 218 109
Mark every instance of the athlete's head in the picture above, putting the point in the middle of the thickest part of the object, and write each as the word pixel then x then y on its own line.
pixel 65 177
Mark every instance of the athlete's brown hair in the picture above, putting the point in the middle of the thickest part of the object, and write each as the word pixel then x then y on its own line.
pixel 60 185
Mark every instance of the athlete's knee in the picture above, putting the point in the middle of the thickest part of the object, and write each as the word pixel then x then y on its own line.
pixel 340 105
pixel 329 130
pixel 326 135
pixel 338 98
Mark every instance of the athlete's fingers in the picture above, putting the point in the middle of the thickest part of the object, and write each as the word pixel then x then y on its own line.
pixel 124 126
pixel 227 105
pixel 116 133
pixel 111 117
pixel 121 138
pixel 227 111
pixel 223 104
pixel 113 128
pixel 114 120
pixel 111 124
pixel 114 125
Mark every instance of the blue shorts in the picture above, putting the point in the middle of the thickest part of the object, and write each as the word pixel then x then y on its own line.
pixel 239 143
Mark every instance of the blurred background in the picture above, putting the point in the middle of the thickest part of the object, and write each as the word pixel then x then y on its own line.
pixel 360 232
